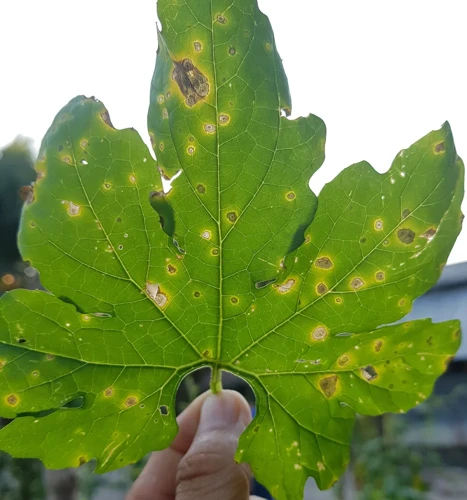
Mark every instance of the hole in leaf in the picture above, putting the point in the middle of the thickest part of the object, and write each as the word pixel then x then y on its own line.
pixel 264 284
pixel 77 402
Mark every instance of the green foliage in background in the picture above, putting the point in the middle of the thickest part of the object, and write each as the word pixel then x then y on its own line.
pixel 16 171
pixel 237 265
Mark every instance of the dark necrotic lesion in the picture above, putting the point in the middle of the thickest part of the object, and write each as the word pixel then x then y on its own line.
pixel 192 83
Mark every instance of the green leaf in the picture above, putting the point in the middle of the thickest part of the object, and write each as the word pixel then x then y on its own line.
pixel 238 267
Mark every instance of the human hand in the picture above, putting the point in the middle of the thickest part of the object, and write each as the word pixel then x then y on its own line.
pixel 199 464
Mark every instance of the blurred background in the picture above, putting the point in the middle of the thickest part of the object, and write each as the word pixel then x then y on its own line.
pixel 381 75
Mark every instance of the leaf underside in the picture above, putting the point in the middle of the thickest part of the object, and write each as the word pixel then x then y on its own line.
pixel 239 267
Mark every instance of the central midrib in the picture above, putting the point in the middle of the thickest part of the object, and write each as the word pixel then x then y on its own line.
pixel 219 197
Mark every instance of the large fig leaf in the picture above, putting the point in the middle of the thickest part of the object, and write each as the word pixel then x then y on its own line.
pixel 236 265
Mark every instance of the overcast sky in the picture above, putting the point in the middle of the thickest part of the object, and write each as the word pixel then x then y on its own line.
pixel 380 73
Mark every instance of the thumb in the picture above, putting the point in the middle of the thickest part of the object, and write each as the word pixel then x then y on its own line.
pixel 208 470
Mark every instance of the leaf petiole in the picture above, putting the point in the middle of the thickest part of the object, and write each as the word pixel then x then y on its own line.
pixel 216 379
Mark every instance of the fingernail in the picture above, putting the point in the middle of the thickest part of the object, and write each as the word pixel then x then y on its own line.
pixel 220 411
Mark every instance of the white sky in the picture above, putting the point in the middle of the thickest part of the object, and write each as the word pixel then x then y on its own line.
pixel 380 73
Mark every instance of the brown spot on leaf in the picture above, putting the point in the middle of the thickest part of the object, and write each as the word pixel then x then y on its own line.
pixel 328 385
pixel 319 333
pixel 357 283
pixel 73 209
pixel 191 82
pixel 164 410
pixel 81 461
pixel 26 193
pixel 221 19
pixel 324 263
pixel 378 224
pixel 224 119
pixel 406 236
pixel 12 399
pixel 287 286
pixel 106 119
pixel 232 51
pixel 343 360
pixel 198 46
pixel 405 213
pixel 429 234
pixel 156 294
pixel 197 294
pixel 201 189
pixel 171 269
pixel 321 288
pixel 109 392
pixel 440 147
pixel 209 128
pixel 214 251
pixel 429 341
pixel 234 300
pixel 378 345
pixel 369 373
pixel 232 217
pixel 291 196
pixel 380 276
pixel 131 401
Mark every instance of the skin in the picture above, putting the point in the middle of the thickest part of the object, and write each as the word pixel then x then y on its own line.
pixel 199 464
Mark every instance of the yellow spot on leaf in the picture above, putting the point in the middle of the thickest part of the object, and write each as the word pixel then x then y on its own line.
pixel 379 225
